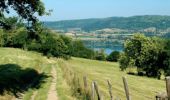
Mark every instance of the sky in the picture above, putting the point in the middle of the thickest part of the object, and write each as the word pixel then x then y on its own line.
pixel 82 9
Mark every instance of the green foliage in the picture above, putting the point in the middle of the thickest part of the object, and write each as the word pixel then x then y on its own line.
pixel 46 42
pixel 79 50
pixel 114 56
pixel 55 46
pixel 124 61
pixel 11 23
pixel 166 57
pixel 100 55
pixel 26 9
pixel 146 53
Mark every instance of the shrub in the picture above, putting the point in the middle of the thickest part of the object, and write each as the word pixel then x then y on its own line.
pixel 114 56
pixel 79 50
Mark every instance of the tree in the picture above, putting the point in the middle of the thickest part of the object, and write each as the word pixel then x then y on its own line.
pixel 100 55
pixel 166 58
pixel 146 54
pixel 78 49
pixel 114 56
pixel 26 9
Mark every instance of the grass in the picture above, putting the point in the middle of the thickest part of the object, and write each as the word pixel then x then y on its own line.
pixel 141 88
pixel 43 91
pixel 27 59
pixel 63 89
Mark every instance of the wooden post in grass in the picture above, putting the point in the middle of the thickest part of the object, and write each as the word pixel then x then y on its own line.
pixel 168 87
pixel 97 90
pixel 126 88
pixel 92 91
pixel 110 90
pixel 85 86
pixel 161 96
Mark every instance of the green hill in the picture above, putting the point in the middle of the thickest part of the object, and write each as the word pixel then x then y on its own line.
pixel 130 23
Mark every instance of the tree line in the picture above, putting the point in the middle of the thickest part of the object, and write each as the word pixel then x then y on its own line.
pixel 45 41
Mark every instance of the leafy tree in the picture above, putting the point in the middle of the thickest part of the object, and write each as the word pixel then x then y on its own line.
pixel 124 62
pixel 114 56
pixel 146 53
pixel 67 41
pixel 26 9
pixel 79 50
pixel 1 38
pixel 166 58
pixel 100 55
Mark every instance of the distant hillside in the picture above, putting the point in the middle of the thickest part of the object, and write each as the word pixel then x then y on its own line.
pixel 130 23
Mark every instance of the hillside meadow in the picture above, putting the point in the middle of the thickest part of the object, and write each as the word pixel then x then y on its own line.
pixel 141 88
pixel 11 57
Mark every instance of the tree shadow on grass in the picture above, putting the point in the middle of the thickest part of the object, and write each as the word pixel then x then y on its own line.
pixel 15 80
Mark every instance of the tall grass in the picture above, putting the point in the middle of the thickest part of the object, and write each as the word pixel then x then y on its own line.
pixel 75 81
pixel 63 89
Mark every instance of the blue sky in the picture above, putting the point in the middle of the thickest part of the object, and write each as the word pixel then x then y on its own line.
pixel 81 9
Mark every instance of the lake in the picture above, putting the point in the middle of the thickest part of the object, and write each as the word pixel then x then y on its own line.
pixel 111 49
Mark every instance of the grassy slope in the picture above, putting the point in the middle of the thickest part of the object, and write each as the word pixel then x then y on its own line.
pixel 27 59
pixel 141 88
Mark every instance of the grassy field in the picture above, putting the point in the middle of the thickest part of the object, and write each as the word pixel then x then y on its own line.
pixel 35 61
pixel 141 88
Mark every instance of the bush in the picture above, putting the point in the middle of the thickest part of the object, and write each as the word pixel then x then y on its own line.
pixel 124 61
pixel 114 56
pixel 100 55
pixel 79 50
pixel 46 42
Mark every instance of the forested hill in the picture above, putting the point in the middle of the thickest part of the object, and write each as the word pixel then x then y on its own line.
pixel 130 23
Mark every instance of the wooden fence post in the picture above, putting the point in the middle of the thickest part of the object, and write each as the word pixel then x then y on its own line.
pixel 161 96
pixel 97 90
pixel 126 88
pixel 85 83
pixel 85 86
pixel 110 89
pixel 92 91
pixel 168 87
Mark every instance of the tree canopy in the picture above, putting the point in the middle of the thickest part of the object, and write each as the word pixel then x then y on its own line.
pixel 147 54
pixel 26 9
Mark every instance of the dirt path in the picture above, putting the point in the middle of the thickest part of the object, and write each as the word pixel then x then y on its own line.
pixel 34 95
pixel 52 94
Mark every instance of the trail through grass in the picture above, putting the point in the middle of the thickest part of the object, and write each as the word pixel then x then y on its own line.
pixel 27 59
